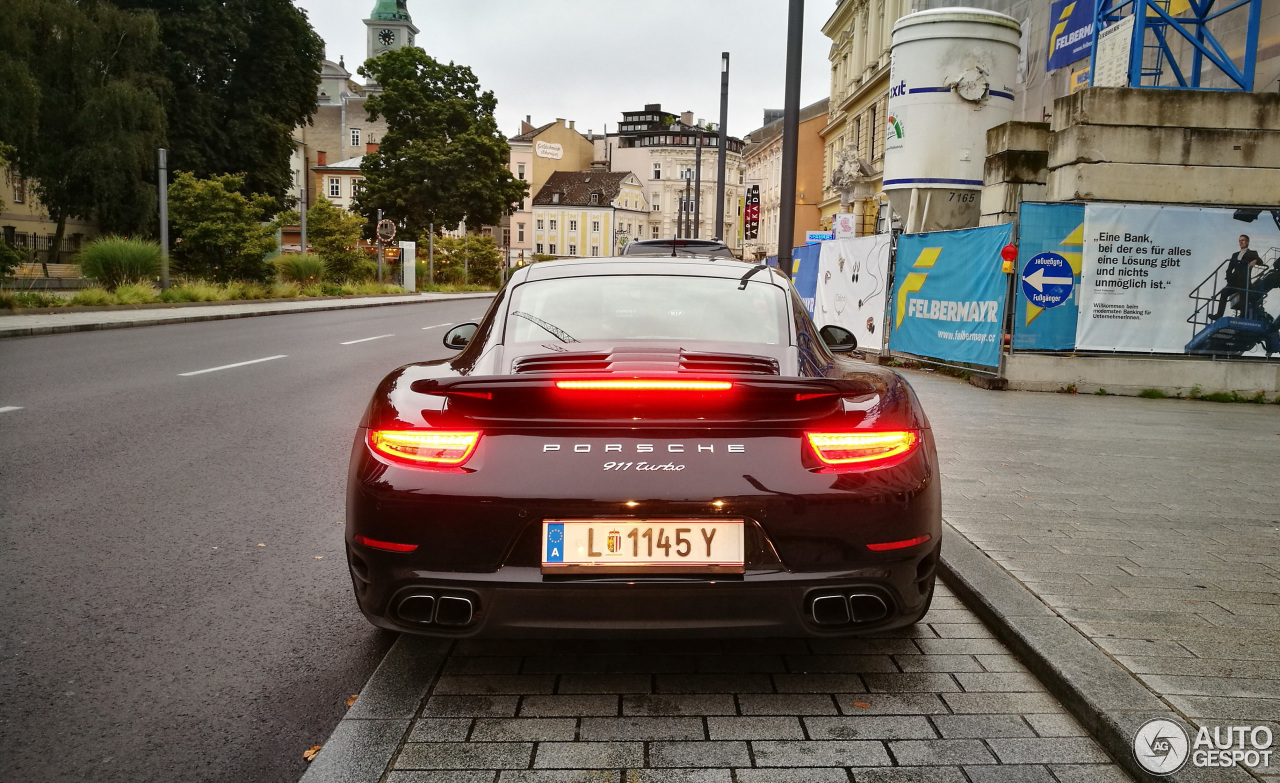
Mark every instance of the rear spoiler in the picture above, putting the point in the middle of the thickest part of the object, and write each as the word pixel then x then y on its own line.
pixel 875 398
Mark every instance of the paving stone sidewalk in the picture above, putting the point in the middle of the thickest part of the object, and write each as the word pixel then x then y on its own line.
pixel 943 701
pixel 52 323
pixel 1151 526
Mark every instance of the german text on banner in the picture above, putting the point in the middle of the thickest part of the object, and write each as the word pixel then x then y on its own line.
pixel 1180 280
pixel 949 294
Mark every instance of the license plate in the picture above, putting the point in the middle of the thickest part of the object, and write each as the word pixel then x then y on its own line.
pixel 642 546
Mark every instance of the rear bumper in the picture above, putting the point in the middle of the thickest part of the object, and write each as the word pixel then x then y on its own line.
pixel 521 602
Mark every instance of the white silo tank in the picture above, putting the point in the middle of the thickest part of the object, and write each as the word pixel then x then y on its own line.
pixel 951 80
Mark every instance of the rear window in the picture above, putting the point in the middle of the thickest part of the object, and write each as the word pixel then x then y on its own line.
pixel 647 307
pixel 678 248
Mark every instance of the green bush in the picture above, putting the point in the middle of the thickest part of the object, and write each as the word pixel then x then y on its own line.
pixel 194 291
pixel 37 299
pixel 1152 394
pixel 304 268
pixel 117 261
pixel 286 290
pixel 93 297
pixel 136 294
pixel 314 290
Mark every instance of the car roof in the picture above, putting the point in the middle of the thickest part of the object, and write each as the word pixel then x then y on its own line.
pixel 687 266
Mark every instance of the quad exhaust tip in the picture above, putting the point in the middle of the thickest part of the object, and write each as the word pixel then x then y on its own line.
pixel 449 610
pixel 858 608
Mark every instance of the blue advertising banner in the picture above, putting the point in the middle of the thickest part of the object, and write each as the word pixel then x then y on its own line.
pixel 1050 243
pixel 949 293
pixel 1070 32
pixel 804 273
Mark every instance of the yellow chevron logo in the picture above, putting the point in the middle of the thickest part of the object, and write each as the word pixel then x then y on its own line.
pixel 915 280
pixel 1061 25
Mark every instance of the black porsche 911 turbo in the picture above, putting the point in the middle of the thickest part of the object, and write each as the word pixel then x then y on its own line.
pixel 658 446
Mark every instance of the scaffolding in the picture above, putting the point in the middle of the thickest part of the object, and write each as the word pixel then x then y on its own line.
pixel 1155 27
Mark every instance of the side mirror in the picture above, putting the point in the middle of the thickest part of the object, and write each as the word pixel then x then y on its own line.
pixel 459 337
pixel 838 339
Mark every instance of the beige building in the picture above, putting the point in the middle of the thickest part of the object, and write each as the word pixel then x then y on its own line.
pixel 659 147
pixel 536 154
pixel 26 224
pixel 588 213
pixel 861 32
pixel 762 161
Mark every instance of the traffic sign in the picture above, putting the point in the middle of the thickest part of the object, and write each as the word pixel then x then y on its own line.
pixel 386 230
pixel 1047 280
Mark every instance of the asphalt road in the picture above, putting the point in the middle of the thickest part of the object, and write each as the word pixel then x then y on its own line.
pixel 174 601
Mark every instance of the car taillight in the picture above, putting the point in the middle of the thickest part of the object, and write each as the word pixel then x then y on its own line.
pixel 640 384
pixel 425 447
pixel 859 450
pixel 906 543
pixel 386 546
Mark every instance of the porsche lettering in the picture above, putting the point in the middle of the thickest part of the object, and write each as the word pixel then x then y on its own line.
pixel 647 448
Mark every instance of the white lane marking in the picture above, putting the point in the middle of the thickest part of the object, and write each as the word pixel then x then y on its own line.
pixel 435 326
pixel 229 366
pixel 8 408
pixel 366 339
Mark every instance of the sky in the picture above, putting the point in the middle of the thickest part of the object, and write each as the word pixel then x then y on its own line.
pixel 589 61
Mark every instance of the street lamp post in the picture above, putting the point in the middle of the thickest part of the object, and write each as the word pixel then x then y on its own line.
pixel 697 184
pixel 790 136
pixel 164 218
pixel 724 144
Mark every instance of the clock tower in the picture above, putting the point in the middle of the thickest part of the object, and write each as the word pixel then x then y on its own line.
pixel 390 27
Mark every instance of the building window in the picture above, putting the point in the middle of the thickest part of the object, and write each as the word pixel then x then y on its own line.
pixel 506 237
pixel 20 190
pixel 539 224
pixel 355 137
pixel 538 248
pixel 519 232
pixel 573 250
pixel 520 170
pixel 595 198
pixel 655 231
pixel 573 225
pixel 552 248
pixel 657 199
pixel 553 228
pixel 297 178
pixel 686 172
pixel 657 171
pixel 872 147
pixel 335 187
pixel 356 186
pixel 595 226
pixel 595 250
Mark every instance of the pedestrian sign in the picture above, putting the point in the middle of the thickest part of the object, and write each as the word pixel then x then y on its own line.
pixel 1047 280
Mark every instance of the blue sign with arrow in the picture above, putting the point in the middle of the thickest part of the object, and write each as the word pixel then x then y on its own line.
pixel 1047 280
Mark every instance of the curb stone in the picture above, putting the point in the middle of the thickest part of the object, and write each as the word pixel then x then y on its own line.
pixel 366 739
pixel 32 331
pixel 1107 700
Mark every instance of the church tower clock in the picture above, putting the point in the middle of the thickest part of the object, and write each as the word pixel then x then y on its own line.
pixel 389 27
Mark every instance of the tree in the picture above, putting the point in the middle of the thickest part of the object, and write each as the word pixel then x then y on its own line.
pixel 243 74
pixel 219 232
pixel 470 259
pixel 442 159
pixel 89 134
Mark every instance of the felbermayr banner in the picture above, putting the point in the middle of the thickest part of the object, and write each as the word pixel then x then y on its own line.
pixel 1180 280
pixel 949 293
pixel 1050 241
pixel 852 287
pixel 1070 32
pixel 804 273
